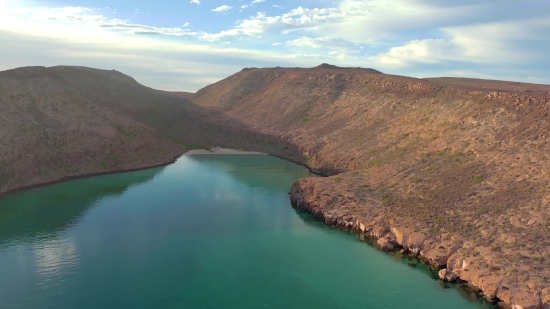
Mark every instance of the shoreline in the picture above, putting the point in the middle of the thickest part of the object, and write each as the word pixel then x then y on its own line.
pixel 385 238
pixel 442 255
pixel 221 150
pixel 83 176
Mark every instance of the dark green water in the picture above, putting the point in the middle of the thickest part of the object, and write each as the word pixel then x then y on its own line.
pixel 210 231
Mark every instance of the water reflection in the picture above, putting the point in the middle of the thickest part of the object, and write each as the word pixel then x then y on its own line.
pixel 43 212
pixel 53 255
pixel 251 170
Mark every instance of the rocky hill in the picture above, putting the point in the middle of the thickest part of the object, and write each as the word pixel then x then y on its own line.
pixel 455 170
pixel 463 163
pixel 62 122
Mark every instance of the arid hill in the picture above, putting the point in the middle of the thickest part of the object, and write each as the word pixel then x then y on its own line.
pixel 459 161
pixel 456 170
pixel 69 121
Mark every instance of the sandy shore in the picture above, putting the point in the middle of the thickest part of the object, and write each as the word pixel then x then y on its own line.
pixel 219 150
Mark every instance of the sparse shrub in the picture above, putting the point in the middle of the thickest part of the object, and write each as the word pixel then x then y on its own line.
pixel 478 178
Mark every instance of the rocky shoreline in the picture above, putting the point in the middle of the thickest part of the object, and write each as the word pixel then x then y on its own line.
pixel 443 254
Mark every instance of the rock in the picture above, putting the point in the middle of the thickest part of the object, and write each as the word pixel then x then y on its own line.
pixel 438 253
pixel 415 242
pixel 525 300
pixel 401 235
pixel 447 275
pixel 546 298
pixel 456 262
pixel 385 244
pixel 362 227
pixel 379 231
pixel 518 297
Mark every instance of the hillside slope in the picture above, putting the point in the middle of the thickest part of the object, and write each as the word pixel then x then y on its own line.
pixel 69 121
pixel 462 165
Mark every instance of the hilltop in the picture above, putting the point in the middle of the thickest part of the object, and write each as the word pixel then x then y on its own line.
pixel 458 165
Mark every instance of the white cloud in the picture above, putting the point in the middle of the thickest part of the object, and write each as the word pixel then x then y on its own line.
pixel 403 35
pixel 334 44
pixel 223 8
pixel 488 43
pixel 197 2
pixel 277 6
pixel 257 1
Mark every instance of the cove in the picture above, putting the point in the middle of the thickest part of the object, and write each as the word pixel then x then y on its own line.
pixel 209 231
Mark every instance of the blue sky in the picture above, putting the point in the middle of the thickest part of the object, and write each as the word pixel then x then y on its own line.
pixel 187 44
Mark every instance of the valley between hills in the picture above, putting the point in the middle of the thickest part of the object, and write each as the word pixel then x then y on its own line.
pixel 455 170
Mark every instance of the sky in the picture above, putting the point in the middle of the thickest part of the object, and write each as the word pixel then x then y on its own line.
pixel 184 45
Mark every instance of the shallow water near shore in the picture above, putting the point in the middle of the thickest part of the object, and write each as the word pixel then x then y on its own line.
pixel 209 231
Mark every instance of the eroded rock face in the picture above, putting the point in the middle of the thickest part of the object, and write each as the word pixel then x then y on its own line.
pixel 447 275
pixel 415 242
pixel 438 252
pixel 385 244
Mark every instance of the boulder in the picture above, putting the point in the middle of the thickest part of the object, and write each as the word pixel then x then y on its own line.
pixel 401 235
pixel 518 297
pixel 415 242
pixel 385 244
pixel 379 230
pixel 438 252
pixel 447 275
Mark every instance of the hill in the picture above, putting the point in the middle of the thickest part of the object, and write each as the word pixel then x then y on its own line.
pixel 63 122
pixel 462 163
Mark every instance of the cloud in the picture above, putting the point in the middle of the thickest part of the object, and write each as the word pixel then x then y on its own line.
pixel 277 6
pixel 197 2
pixel 257 1
pixel 223 8
pixel 411 37
pixel 244 6
pixel 334 44
pixel 510 43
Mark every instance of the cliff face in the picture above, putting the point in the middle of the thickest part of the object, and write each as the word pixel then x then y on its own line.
pixel 68 121
pixel 456 160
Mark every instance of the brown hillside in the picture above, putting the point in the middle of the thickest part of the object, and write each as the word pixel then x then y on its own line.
pixel 69 121
pixel 446 158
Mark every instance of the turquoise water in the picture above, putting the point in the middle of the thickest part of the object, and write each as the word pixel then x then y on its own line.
pixel 210 231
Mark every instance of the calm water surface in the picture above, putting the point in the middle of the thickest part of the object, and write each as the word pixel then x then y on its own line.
pixel 210 231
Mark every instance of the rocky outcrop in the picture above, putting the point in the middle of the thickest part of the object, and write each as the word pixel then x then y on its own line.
pixel 444 254
pixel 385 244
pixel 447 275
